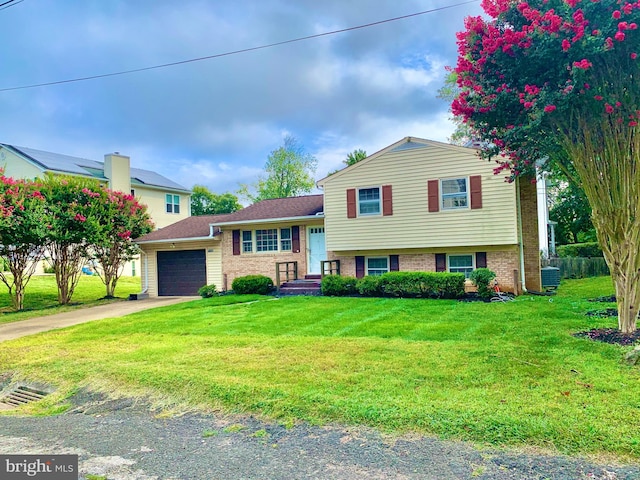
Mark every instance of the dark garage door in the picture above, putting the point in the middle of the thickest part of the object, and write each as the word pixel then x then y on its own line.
pixel 181 273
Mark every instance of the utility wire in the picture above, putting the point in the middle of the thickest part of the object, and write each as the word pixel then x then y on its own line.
pixel 236 52
pixel 9 4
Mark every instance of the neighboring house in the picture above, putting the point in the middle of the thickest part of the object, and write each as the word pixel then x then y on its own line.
pixel 215 249
pixel 167 201
pixel 416 205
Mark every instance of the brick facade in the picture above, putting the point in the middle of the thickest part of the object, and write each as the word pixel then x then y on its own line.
pixel 234 266
pixel 503 262
pixel 530 239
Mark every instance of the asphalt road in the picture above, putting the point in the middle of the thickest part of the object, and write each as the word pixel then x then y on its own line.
pixel 125 440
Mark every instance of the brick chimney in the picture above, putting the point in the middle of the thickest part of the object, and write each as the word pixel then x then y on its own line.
pixel 117 169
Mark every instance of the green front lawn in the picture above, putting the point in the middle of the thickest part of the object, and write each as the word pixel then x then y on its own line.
pixel 504 374
pixel 41 297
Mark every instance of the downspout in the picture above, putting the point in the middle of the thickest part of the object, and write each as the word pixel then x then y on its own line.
pixel 520 236
pixel 145 287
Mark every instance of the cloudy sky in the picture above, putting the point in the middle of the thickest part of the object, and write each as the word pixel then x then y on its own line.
pixel 214 122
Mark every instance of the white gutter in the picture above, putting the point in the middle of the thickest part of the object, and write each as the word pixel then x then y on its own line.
pixel 520 236
pixel 173 240
pixel 145 287
pixel 270 220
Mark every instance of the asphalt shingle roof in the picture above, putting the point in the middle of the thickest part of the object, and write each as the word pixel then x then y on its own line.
pixel 277 208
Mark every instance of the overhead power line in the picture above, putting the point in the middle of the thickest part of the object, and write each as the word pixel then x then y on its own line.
pixel 236 52
pixel 10 3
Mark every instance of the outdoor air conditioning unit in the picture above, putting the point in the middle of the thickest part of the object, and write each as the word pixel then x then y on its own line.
pixel 550 277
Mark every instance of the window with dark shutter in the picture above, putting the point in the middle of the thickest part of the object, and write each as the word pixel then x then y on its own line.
pixel 359 267
pixel 441 262
pixel 434 196
pixel 351 203
pixel 475 186
pixel 394 263
pixel 387 200
pixel 295 239
pixel 481 259
pixel 236 242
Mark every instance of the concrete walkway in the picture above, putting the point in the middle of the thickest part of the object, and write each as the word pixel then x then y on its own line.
pixel 10 331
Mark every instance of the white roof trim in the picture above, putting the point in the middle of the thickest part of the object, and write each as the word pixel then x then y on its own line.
pixel 176 240
pixel 270 220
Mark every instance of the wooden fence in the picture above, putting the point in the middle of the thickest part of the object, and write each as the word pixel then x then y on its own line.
pixel 578 267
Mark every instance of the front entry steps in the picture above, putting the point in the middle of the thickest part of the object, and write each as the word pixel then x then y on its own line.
pixel 310 285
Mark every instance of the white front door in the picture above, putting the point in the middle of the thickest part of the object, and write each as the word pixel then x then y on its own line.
pixel 317 249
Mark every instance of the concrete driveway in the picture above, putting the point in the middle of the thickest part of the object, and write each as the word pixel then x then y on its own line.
pixel 10 331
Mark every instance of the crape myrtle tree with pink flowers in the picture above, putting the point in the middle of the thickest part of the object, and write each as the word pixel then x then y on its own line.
pixel 558 81
pixel 72 227
pixel 22 231
pixel 120 219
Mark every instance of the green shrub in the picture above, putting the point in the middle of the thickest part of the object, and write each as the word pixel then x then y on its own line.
pixel 422 284
pixel 588 249
pixel 208 291
pixel 369 286
pixel 483 279
pixel 338 286
pixel 252 284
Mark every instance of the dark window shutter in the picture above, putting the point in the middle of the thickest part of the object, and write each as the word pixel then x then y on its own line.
pixel 434 196
pixel 481 259
pixel 394 263
pixel 295 239
pixel 351 203
pixel 387 200
pixel 359 267
pixel 236 242
pixel 441 262
pixel 475 186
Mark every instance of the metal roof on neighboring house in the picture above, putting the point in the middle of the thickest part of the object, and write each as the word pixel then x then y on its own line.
pixel 56 162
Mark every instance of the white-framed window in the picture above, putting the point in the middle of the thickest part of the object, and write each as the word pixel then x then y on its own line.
pixel 461 264
pixel 455 193
pixel 247 241
pixel 369 201
pixel 285 239
pixel 377 265
pixel 267 240
pixel 173 203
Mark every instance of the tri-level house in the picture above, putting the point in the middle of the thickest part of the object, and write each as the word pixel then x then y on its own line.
pixel 417 205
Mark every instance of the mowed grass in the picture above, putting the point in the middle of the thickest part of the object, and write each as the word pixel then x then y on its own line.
pixel 41 296
pixel 501 374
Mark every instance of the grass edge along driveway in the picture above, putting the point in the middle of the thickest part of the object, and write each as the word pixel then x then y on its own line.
pixel 502 374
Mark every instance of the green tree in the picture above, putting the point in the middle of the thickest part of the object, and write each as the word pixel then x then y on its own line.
pixel 289 171
pixel 352 158
pixel 205 202
pixel 355 157
pixel 73 226
pixel 120 219
pixel 22 234
pixel 462 135
pixel 570 210
pixel 557 81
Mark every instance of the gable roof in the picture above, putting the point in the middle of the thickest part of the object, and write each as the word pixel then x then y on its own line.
pixel 266 211
pixel 276 209
pixel 199 227
pixel 66 164
pixel 407 143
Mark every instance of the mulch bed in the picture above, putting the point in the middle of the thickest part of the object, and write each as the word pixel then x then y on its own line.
pixel 607 298
pixel 610 335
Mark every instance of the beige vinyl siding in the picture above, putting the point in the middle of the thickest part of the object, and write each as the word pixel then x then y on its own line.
pixel 213 252
pixel 412 226
pixel 154 199
pixel 16 167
